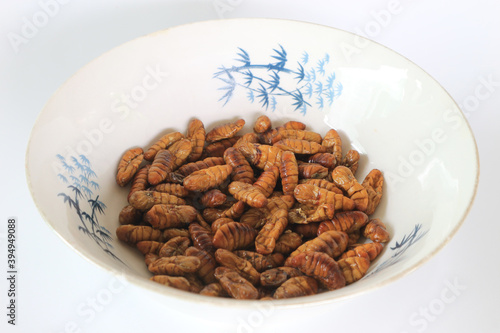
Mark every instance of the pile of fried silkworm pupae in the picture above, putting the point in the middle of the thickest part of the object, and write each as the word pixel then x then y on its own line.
pixel 275 213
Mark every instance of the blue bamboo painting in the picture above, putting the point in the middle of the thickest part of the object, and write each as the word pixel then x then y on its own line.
pixel 82 183
pixel 305 84
pixel 401 247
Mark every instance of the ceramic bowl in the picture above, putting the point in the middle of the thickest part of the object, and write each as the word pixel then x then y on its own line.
pixel 398 117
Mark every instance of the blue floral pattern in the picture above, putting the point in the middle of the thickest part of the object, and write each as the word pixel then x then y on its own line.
pixel 401 247
pixel 82 183
pixel 303 84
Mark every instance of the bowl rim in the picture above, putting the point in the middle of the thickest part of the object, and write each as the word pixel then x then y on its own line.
pixel 187 297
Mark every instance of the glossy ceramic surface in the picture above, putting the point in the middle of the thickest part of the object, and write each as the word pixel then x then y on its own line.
pixel 399 118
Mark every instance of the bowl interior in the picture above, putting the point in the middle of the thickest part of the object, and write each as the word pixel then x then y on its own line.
pixel 400 120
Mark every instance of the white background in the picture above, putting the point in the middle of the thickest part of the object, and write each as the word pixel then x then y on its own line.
pixel 456 42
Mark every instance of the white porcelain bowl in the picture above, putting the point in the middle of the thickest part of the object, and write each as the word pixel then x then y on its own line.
pixel 399 118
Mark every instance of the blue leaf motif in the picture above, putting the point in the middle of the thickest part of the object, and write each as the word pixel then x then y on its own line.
pixel 274 82
pixel 300 73
pixel 320 67
pixel 305 57
pixel 329 80
pixel 264 96
pixel 105 236
pixel 270 82
pixel 339 89
pixel 281 57
pixel 308 90
pixel 248 78
pixel 299 100
pixel 409 239
pixel 319 88
pixel 97 204
pixel 76 163
pixel 330 94
pixel 89 172
pixel 114 256
pixel 250 96
pixel 401 247
pixel 84 179
pixel 307 76
pixel 104 229
pixel 87 216
pixel 94 185
pixel 319 102
pixel 85 231
pixel 244 57
pixel 312 73
pixel 231 85
pixel 66 199
pixel 273 103
pixel 64 179
pixel 87 191
pixel 303 109
pixel 222 70
pixel 80 199
pixel 68 167
pixel 84 160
